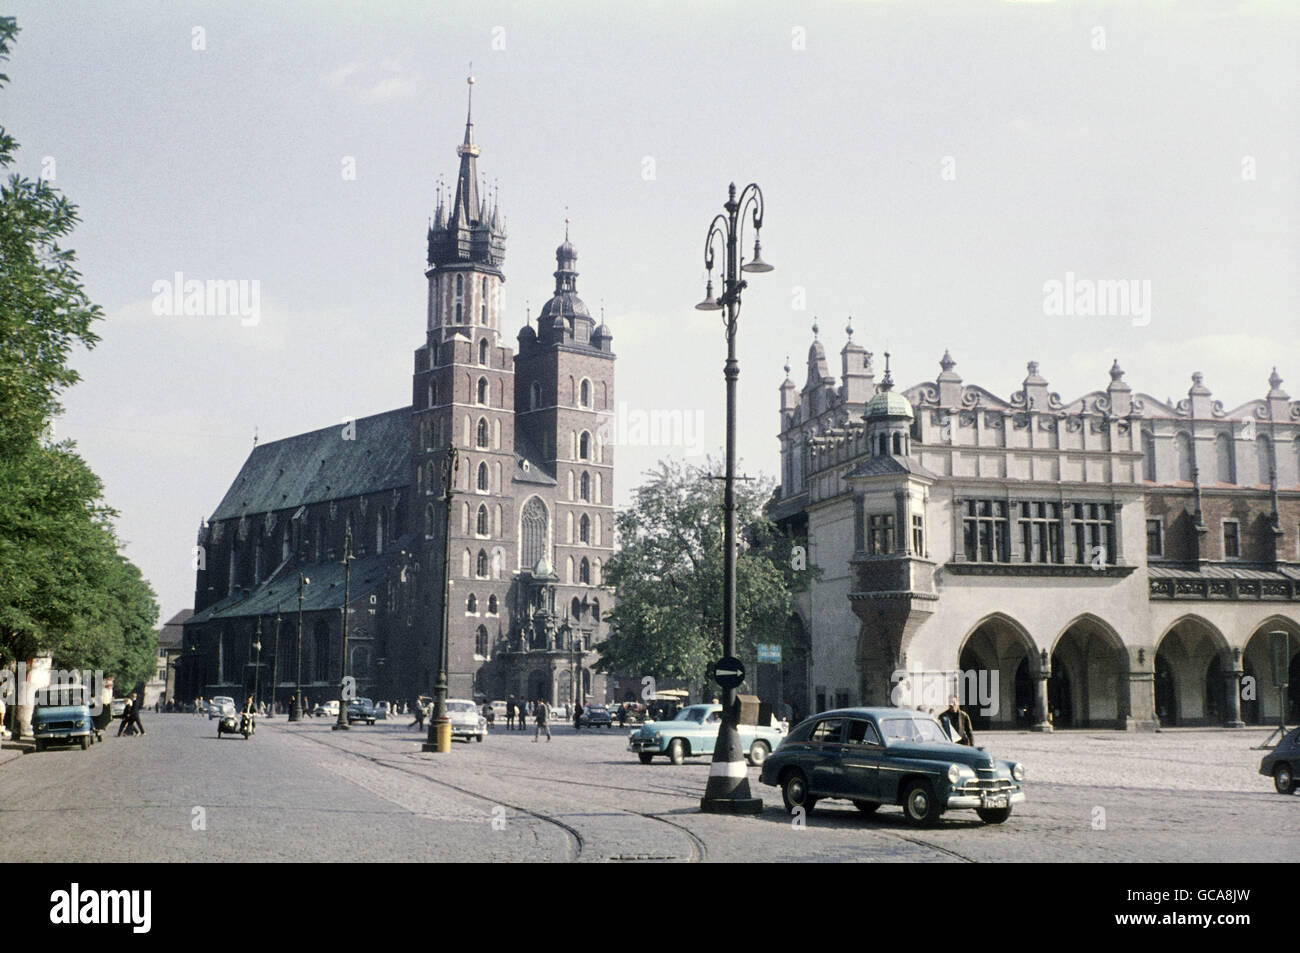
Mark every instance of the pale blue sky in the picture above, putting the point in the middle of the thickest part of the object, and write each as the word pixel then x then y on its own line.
pixel 1103 139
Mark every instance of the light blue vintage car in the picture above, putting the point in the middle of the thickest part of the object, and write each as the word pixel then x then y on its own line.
pixel 694 732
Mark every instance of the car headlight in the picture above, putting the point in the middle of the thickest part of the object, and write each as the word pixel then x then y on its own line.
pixel 658 738
pixel 1018 771
pixel 954 773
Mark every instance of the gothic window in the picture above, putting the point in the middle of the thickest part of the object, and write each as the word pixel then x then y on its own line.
pixel 483 308
pixel 483 437
pixel 482 523
pixel 483 477
pixel 1231 539
pixel 460 285
pixel 585 486
pixel 492 605
pixel 419 480
pixel 460 291
pixel 460 314
pixel 575 609
pixel 482 390
pixel 481 641
pixel 428 521
pixel 984 527
pixel 321 653
pixel 483 351
pixel 584 529
pixel 584 446
pixel 584 394
pixel 584 572
pixel 471 604
pixel 379 532
pixel 595 610
pixel 1183 448
pixel 433 394
pixel 481 564
pixel 535 396
pixel 532 532
pixel 898 444
pixel 1226 471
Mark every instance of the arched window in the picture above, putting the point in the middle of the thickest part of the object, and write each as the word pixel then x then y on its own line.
pixel 482 308
pixel 481 524
pixel 482 350
pixel 584 446
pixel 1264 448
pixel 481 641
pixel 584 572
pixel 1183 448
pixel 471 604
pixel 584 393
pixel 492 605
pixel 482 390
pixel 535 396
pixel 898 444
pixel 379 532
pixel 483 435
pixel 595 610
pixel 575 608
pixel 433 394
pixel 1224 464
pixel 481 564
pixel 532 532
pixel 584 488
pixel 460 285
pixel 483 477
pixel 584 529
pixel 428 520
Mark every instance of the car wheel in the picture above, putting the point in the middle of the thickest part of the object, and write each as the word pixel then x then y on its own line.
pixel 794 791
pixel 677 751
pixel 1283 779
pixel 645 756
pixel 758 753
pixel 993 815
pixel 920 806
pixel 478 738
pixel 867 807
pixel 85 742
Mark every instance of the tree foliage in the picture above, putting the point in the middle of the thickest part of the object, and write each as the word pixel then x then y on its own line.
pixel 669 572
pixel 64 587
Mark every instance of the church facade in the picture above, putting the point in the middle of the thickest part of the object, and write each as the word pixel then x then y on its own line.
pixel 1114 561
pixel 531 514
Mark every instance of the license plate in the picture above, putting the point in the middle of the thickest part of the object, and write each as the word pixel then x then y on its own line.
pixel 995 800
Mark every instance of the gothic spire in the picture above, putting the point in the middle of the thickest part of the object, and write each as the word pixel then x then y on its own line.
pixel 468 207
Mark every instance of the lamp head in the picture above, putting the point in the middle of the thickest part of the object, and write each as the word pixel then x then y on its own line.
pixel 709 303
pixel 756 265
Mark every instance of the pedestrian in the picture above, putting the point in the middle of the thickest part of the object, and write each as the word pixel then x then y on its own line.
pixel 542 720
pixel 957 723
pixel 523 716
pixel 137 726
pixel 418 711
pixel 510 713
pixel 126 715
pixel 622 715
pixel 577 716
pixel 488 715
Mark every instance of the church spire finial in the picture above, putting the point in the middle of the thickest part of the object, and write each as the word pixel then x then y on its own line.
pixel 888 381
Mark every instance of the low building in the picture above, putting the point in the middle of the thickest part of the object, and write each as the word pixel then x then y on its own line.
pixel 1111 561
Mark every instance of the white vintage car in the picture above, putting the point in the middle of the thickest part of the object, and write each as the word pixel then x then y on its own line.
pixel 466 722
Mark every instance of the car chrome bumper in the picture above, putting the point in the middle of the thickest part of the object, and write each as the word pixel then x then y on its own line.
pixel 960 801
pixel 646 745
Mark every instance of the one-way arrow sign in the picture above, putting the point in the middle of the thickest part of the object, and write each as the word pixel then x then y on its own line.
pixel 728 672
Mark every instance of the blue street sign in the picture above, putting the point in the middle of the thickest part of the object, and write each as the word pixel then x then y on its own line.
pixel 769 652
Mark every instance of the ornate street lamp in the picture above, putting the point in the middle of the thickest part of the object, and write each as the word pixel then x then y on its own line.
pixel 257 665
pixel 728 788
pixel 439 740
pixel 342 723
pixel 295 713
pixel 275 663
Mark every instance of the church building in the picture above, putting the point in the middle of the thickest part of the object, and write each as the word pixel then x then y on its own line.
pixel 352 517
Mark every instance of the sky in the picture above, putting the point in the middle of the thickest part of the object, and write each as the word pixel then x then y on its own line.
pixel 929 170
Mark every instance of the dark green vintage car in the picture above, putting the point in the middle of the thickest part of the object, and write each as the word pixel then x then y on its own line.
pixel 875 756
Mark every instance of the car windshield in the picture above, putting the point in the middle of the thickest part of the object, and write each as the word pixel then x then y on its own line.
pixel 911 729
pixel 461 706
pixel 690 714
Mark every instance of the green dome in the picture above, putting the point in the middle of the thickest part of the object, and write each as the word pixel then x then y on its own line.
pixel 888 404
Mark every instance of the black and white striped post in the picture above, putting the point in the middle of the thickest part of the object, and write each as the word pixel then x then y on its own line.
pixel 728 788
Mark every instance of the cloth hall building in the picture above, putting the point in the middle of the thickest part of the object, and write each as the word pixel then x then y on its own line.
pixel 1114 561
pixel 531 523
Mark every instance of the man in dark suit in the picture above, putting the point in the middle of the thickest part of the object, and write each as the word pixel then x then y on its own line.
pixel 957 723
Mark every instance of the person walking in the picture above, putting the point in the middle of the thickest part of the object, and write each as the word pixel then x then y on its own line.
pixel 127 711
pixel 957 723
pixel 622 715
pixel 523 717
pixel 577 716
pixel 418 710
pixel 542 720
pixel 510 713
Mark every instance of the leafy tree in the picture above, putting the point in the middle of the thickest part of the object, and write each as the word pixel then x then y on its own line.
pixel 64 587
pixel 669 572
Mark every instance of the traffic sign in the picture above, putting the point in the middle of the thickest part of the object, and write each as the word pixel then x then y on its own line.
pixel 769 652
pixel 727 672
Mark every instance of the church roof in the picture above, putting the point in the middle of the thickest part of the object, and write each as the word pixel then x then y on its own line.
pixel 323 465
pixel 529 465
pixel 325 591
pixel 886 465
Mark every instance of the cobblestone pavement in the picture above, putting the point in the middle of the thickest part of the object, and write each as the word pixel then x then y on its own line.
pixel 304 792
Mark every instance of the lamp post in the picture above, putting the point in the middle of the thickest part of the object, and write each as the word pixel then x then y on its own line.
pixel 728 788
pixel 257 665
pixel 275 662
pixel 439 740
pixel 295 712
pixel 342 723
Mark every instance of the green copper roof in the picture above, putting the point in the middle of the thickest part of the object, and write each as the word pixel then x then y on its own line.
pixel 888 404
